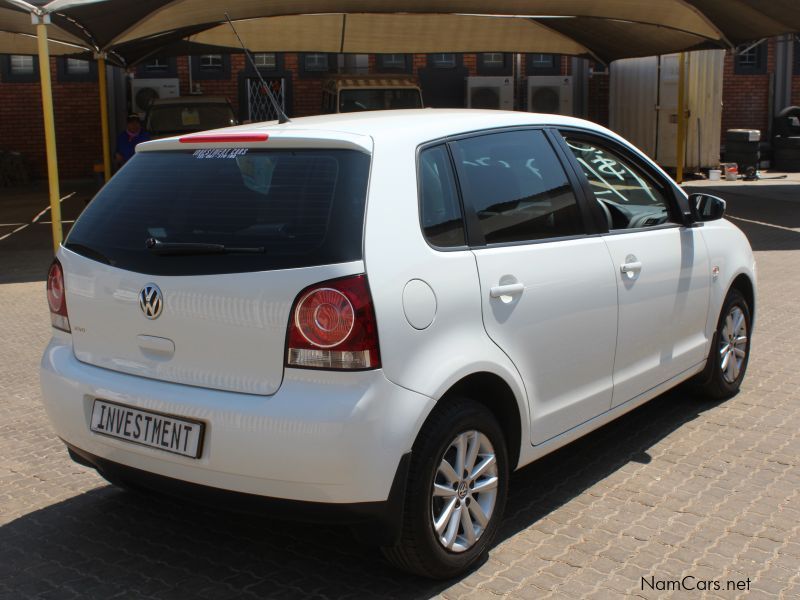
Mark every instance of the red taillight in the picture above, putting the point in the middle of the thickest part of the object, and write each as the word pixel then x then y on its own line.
pixel 56 297
pixel 333 326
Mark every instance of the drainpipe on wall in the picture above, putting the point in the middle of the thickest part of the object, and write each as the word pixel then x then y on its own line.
pixel 580 89
pixel 784 61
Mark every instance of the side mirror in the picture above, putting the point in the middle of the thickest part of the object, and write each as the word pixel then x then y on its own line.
pixel 706 207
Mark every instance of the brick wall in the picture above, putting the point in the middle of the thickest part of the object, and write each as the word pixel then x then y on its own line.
pixel 745 98
pixel 77 118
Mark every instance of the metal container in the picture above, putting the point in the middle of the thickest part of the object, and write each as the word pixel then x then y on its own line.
pixel 644 99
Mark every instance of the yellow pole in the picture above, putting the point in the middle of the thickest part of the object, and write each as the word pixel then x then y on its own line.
pixel 101 80
pixel 49 131
pixel 679 157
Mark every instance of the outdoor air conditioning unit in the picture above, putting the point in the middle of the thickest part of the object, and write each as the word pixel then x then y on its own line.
pixel 550 94
pixel 490 92
pixel 144 91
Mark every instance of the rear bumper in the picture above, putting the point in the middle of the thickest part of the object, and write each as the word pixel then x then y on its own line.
pixel 324 437
pixel 377 523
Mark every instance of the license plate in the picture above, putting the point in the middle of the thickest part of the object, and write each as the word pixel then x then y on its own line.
pixel 155 430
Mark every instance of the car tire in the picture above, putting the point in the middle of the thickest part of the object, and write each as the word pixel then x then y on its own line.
pixel 421 549
pixel 727 365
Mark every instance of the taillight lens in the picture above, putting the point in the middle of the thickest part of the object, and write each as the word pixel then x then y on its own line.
pixel 56 297
pixel 333 326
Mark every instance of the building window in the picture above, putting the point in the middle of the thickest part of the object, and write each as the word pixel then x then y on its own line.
pixel 22 65
pixel 19 68
pixel 210 62
pixel 394 62
pixel 442 61
pixel 543 64
pixel 494 63
pixel 76 66
pixel 317 63
pixel 751 61
pixel 211 66
pixel 493 60
pixel 75 70
pixel 158 66
pixel 266 60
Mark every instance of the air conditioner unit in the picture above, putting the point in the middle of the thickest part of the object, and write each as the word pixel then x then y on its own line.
pixel 144 91
pixel 490 92
pixel 550 94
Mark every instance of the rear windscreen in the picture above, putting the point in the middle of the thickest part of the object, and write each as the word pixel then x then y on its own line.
pixel 297 208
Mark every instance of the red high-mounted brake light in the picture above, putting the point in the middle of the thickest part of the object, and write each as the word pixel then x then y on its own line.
pixel 225 138
pixel 332 326
pixel 56 297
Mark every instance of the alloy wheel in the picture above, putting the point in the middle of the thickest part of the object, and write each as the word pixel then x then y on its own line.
pixel 464 491
pixel 733 344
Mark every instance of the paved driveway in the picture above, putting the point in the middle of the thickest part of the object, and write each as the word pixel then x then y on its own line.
pixel 680 487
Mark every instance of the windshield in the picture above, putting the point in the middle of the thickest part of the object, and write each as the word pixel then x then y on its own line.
pixel 185 118
pixel 299 208
pixel 379 99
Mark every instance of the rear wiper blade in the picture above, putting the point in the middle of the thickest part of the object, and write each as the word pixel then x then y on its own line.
pixel 164 248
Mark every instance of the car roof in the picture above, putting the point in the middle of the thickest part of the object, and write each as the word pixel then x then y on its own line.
pixel 411 125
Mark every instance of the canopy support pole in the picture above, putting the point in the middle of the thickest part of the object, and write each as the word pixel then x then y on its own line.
pixel 679 155
pixel 101 80
pixel 49 127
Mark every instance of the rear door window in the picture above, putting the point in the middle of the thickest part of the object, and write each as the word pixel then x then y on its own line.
pixel 440 208
pixel 517 187
pixel 288 209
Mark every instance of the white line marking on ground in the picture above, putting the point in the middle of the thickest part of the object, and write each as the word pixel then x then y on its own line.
pixel 11 224
pixel 36 218
pixel 792 229
pixel 41 212
pixel 13 232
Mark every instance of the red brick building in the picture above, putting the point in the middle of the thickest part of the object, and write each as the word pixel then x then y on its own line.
pixel 746 93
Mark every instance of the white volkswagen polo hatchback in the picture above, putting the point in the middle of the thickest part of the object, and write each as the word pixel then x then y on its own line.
pixel 377 317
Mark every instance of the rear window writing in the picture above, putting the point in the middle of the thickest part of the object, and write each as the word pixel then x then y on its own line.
pixel 304 208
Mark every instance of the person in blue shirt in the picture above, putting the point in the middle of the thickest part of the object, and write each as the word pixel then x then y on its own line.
pixel 128 139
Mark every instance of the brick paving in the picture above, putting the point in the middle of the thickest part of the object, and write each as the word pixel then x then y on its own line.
pixel 680 487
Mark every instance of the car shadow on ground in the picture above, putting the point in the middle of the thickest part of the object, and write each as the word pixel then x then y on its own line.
pixel 108 542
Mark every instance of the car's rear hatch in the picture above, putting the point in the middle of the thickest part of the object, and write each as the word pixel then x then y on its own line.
pixel 288 212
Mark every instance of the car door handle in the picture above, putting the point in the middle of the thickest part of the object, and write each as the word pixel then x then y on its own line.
pixel 511 289
pixel 631 268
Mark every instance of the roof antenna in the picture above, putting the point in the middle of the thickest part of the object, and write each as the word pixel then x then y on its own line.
pixel 282 118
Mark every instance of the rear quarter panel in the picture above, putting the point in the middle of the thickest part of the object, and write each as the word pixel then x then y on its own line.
pixel 430 360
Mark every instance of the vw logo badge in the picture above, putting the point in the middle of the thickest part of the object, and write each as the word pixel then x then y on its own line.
pixel 151 301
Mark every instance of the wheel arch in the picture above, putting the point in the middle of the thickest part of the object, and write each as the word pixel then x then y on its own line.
pixel 744 285
pixel 497 395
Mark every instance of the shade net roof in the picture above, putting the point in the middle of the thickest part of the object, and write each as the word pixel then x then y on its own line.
pixel 606 29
